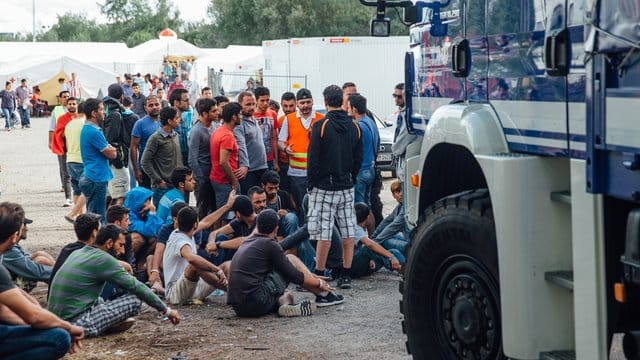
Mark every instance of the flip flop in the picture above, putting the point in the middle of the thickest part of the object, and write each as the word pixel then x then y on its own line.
pixel 69 219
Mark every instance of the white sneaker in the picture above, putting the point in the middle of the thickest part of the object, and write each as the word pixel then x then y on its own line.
pixel 68 203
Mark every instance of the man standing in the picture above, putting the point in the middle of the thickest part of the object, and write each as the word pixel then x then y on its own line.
pixel 75 168
pixel 74 87
pixel 162 153
pixel 127 85
pixel 267 120
pixel 288 104
pixel 348 89
pixel 142 130
pixel 294 140
pixel 335 155
pixel 179 100
pixel 27 330
pixel 8 98
pixel 253 156
pixel 23 93
pixel 357 105
pixel 65 179
pixel 96 152
pixel 58 144
pixel 138 100
pixel 224 154
pixel 200 154
pixel 402 137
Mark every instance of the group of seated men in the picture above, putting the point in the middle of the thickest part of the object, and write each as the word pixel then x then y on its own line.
pixel 252 247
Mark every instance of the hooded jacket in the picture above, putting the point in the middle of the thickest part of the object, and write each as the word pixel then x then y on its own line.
pixel 147 224
pixel 335 152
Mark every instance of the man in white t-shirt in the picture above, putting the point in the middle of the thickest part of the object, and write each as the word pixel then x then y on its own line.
pixel 187 275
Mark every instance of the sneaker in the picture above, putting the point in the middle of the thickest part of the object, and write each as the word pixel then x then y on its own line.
pixel 122 326
pixel 67 203
pixel 329 299
pixel 305 308
pixel 344 282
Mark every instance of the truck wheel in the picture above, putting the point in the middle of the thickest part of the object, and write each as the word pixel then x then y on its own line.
pixel 451 295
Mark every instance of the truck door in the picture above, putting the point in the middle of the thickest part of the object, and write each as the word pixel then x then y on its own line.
pixel 531 103
pixel 475 33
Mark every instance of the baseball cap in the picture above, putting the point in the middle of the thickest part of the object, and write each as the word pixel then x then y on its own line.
pixel 303 93
pixel 242 204
pixel 27 221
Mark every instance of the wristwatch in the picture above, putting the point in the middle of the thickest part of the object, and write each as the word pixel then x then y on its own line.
pixel 390 258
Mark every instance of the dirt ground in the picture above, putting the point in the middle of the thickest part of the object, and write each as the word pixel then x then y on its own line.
pixel 366 326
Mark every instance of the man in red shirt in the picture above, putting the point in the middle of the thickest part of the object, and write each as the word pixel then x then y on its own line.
pixel 267 120
pixel 224 154
pixel 58 145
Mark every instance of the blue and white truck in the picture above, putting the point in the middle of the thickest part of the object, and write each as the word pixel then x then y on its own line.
pixel 522 188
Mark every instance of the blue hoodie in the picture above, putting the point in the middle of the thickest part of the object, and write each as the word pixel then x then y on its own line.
pixel 147 224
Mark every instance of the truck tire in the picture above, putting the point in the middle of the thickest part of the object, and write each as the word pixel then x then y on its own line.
pixel 451 294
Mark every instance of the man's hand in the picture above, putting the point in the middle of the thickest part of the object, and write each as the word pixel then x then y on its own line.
pixel 222 281
pixel 395 264
pixel 232 198
pixel 77 334
pixel 276 167
pixel 288 150
pixel 138 175
pixel 148 207
pixel 174 317
pixel 126 266
pixel 241 172
pixel 154 277
pixel 162 184
pixel 282 213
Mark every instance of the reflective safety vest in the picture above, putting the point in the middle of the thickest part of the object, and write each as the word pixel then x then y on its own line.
pixel 299 138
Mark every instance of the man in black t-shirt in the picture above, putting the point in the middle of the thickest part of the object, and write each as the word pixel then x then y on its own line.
pixel 27 330
pixel 260 272
pixel 224 242
pixel 280 201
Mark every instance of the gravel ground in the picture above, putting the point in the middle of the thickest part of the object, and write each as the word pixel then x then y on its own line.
pixel 366 326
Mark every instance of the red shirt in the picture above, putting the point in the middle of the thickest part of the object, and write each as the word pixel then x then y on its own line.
pixel 58 145
pixel 222 139
pixel 268 122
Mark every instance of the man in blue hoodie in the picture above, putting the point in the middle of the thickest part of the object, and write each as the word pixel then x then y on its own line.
pixel 334 159
pixel 144 224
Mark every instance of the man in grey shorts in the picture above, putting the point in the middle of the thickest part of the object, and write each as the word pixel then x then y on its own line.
pixel 260 273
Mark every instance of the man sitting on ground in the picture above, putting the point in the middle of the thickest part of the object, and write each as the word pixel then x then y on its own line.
pixel 281 202
pixel 183 183
pixel 390 232
pixel 188 276
pixel 27 331
pixel 260 273
pixel 224 242
pixel 27 269
pixel 75 289
pixel 144 223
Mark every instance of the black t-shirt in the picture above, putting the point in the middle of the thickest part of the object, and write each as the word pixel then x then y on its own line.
pixel 283 201
pixel 5 280
pixel 240 228
pixel 64 254
pixel 256 257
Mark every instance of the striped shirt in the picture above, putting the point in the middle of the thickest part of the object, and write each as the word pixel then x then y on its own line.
pixel 80 280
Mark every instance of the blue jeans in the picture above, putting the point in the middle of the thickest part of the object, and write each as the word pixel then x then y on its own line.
pixel 222 193
pixel 25 116
pixel 96 194
pixel 25 342
pixel 366 262
pixel 223 254
pixel 75 171
pixel 397 242
pixel 362 189
pixel 7 117
pixel 288 224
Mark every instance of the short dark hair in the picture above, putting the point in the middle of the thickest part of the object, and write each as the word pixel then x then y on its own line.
pixel 348 84
pixel 359 102
pixel 267 221
pixel 71 98
pixel 11 219
pixel 242 204
pixel 59 94
pixel 243 95
pixel 179 175
pixel 127 101
pixel 262 91
pixel 9 83
pixel 204 89
pixel 204 105
pixel 85 224
pixel 287 96
pixel 91 105
pixel 116 213
pixel 176 95
pixel 333 96
pixel 150 97
pixel 115 91
pixel 135 84
pixel 108 232
pixel 270 177
pixel 362 212
pixel 176 207
pixel 400 86
pixel 221 98
pixel 187 218
pixel 81 107
pixel 166 114
pixel 254 190
pixel 274 105
pixel 232 108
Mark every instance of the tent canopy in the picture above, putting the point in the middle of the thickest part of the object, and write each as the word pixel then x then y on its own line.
pixel 149 55
pixel 45 74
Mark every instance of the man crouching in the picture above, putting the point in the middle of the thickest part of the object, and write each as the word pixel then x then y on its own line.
pixel 260 273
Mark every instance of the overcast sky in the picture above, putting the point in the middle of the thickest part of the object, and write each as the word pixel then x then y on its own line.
pixel 17 15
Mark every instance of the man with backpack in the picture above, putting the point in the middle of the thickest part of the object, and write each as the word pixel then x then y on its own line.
pixel 118 125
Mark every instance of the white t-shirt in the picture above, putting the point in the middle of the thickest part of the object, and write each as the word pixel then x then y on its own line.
pixel 173 265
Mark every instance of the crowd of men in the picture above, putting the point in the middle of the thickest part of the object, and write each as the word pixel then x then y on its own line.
pixel 279 199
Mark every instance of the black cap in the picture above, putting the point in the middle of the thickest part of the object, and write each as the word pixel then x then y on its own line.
pixel 242 204
pixel 303 94
pixel 115 91
pixel 27 221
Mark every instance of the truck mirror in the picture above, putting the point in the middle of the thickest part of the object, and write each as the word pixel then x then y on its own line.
pixel 380 27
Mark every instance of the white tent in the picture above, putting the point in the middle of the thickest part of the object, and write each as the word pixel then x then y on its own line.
pixel 239 62
pixel 149 55
pixel 94 80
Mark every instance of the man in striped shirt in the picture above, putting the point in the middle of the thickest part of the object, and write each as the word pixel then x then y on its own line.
pixel 75 289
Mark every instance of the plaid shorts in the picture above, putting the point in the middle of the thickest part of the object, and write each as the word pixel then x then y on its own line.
pixel 104 314
pixel 325 207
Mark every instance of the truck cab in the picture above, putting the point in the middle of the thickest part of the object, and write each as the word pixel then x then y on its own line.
pixel 521 189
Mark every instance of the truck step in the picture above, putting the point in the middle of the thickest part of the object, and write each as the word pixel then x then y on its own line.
pixel 561 197
pixel 558 355
pixel 561 278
